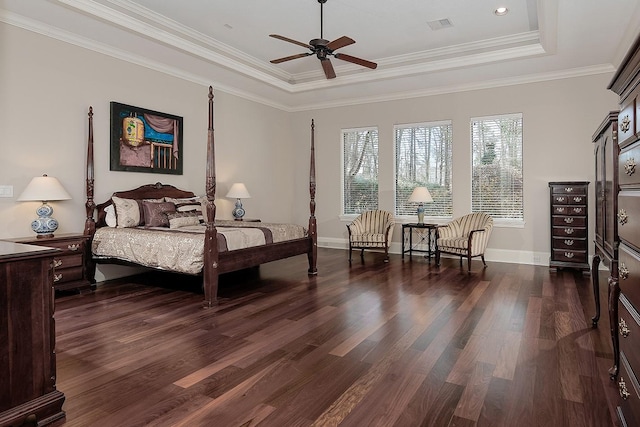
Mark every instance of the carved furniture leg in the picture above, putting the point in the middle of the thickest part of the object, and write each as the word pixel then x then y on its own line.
pixel 614 294
pixel 595 280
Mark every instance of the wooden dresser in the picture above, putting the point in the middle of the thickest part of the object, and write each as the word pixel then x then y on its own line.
pixel 28 394
pixel 69 265
pixel 624 297
pixel 606 150
pixel 569 224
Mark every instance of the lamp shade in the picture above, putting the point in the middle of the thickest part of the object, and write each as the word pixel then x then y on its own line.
pixel 238 191
pixel 420 195
pixel 44 188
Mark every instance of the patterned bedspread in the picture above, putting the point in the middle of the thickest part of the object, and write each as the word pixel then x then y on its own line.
pixel 182 249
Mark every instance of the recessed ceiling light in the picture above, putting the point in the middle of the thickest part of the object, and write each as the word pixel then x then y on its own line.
pixel 501 11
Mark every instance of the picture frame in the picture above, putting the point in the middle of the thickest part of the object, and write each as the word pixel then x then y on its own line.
pixel 144 140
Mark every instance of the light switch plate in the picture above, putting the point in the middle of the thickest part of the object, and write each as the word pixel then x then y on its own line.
pixel 6 190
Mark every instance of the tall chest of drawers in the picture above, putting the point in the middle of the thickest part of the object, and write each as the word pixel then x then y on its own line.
pixel 624 292
pixel 569 224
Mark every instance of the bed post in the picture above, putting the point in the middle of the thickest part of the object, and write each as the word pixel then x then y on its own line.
pixel 90 206
pixel 210 271
pixel 313 231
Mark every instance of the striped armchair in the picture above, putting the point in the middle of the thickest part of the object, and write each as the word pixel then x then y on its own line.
pixel 466 236
pixel 371 230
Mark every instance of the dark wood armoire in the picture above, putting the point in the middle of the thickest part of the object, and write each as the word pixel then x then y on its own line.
pixel 606 150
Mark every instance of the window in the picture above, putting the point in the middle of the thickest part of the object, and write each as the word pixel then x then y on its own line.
pixel 423 159
pixel 359 170
pixel 497 166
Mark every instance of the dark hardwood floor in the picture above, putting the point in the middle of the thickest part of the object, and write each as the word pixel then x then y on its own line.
pixel 402 343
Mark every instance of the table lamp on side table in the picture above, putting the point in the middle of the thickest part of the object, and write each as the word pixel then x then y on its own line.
pixel 44 189
pixel 238 191
pixel 420 195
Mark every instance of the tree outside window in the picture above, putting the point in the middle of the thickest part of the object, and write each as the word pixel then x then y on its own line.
pixel 360 170
pixel 497 178
pixel 423 159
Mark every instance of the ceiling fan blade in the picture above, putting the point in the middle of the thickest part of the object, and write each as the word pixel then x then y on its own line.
pixel 356 60
pixel 328 68
pixel 341 42
pixel 289 58
pixel 286 39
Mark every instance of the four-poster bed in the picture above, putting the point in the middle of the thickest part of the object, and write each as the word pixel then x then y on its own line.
pixel 216 250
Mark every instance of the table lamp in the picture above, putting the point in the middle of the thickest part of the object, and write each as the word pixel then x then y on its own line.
pixel 44 189
pixel 420 195
pixel 238 191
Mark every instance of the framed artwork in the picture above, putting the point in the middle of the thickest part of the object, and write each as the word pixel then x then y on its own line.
pixel 145 141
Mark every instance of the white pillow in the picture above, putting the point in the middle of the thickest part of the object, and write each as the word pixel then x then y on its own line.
pixel 110 217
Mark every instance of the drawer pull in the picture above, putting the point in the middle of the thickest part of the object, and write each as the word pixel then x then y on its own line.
pixel 560 199
pixel 568 242
pixel 568 220
pixel 625 124
pixel 630 166
pixel 57 277
pixel 568 230
pixel 577 199
pixel 568 254
pixel 73 247
pixel 568 189
pixel 623 328
pixel 623 271
pixel 622 217
pixel 577 210
pixel 622 389
pixel 57 263
pixel 560 209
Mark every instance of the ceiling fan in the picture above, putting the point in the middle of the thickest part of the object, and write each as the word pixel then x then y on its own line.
pixel 323 49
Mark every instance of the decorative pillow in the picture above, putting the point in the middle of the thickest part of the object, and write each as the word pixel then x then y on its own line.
pixel 183 219
pixel 110 216
pixel 191 204
pixel 155 214
pixel 127 212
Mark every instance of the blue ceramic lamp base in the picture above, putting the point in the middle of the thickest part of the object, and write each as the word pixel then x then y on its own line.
pixel 45 225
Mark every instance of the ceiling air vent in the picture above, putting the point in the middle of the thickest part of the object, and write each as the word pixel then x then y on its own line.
pixel 439 24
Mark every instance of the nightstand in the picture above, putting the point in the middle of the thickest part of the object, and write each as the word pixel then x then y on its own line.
pixel 69 265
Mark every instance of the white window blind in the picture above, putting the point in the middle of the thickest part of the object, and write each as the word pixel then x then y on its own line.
pixel 360 170
pixel 423 159
pixel 497 179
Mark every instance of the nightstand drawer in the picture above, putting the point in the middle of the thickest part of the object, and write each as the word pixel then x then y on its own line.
pixel 69 247
pixel 66 275
pixel 61 262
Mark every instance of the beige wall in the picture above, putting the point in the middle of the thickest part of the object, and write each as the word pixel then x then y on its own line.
pixel 46 87
pixel 559 118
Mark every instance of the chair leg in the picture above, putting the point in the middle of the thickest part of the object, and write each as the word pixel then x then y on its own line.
pixel 460 261
pixel 468 263
pixel 482 257
pixel 362 254
pixel 350 250
pixel 437 258
pixel 386 254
